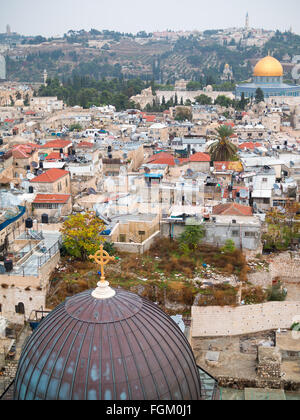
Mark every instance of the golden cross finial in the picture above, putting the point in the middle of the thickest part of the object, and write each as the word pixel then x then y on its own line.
pixel 102 258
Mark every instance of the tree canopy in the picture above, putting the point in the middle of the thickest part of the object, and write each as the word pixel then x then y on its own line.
pixel 223 149
pixel 82 234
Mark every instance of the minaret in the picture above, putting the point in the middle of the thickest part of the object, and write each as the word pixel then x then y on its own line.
pixel 45 77
pixel 247 21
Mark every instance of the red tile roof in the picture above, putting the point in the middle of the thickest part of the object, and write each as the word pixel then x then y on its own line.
pixel 51 175
pixel 23 151
pixel 57 144
pixel 85 144
pixel 148 118
pixel 200 157
pixel 249 145
pixel 165 158
pixel 54 156
pixel 51 198
pixel 232 209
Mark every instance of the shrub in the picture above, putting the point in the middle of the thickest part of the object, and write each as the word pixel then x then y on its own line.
pixel 276 293
pixel 229 247
pixel 253 295
pixel 191 237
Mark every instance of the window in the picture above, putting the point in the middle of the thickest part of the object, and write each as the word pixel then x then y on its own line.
pixel 265 180
pixel 266 201
pixel 235 233
pixel 122 238
pixel 250 234
pixel 20 308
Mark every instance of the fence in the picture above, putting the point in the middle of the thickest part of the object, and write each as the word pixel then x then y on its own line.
pixel 49 254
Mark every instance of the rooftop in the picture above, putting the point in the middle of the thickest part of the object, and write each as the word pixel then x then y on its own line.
pixel 51 175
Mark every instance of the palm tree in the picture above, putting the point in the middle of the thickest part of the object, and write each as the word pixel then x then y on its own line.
pixel 223 149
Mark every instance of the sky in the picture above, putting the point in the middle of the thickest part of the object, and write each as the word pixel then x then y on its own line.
pixel 56 17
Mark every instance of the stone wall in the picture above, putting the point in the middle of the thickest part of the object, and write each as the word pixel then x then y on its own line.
pixel 269 363
pixel 136 248
pixel 285 265
pixel 216 321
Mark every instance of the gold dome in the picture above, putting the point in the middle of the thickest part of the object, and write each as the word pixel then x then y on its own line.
pixel 268 66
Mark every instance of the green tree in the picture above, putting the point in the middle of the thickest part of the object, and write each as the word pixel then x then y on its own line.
pixel 259 95
pixel 26 100
pixel 183 113
pixel 75 127
pixel 224 101
pixel 203 100
pixel 241 105
pixel 223 149
pixel 191 237
pixel 82 235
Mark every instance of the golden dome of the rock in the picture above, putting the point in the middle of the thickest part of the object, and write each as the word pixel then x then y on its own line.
pixel 268 67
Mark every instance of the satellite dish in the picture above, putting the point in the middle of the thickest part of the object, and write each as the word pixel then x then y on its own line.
pixel 43 157
pixel 39 172
pixel 147 170
pixel 30 176
pixel 34 164
pixel 177 161
pixel 292 163
pixel 189 172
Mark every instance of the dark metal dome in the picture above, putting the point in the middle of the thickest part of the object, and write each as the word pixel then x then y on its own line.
pixel 121 348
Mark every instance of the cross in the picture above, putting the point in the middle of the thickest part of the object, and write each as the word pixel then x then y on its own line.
pixel 102 258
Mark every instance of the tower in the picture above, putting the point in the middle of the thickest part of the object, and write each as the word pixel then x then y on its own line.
pixel 45 77
pixel 8 30
pixel 247 21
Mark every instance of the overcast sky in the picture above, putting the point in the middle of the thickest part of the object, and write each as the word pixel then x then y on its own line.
pixel 55 17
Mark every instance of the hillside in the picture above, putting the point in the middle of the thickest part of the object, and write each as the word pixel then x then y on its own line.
pixel 198 57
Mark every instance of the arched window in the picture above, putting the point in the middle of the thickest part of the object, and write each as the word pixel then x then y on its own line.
pixel 20 308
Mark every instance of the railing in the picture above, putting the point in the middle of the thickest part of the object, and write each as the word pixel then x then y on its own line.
pixel 14 219
pixel 7 390
pixel 33 270
pixel 48 254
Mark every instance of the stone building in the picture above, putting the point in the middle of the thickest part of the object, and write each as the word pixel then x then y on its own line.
pixel 146 97
pixel 53 181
